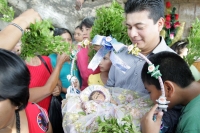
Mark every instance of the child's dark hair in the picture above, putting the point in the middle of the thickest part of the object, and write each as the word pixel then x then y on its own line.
pixel 172 68
pixel 87 22
pixel 78 27
pixel 179 45
pixel 154 7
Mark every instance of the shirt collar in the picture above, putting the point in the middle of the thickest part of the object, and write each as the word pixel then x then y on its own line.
pixel 162 46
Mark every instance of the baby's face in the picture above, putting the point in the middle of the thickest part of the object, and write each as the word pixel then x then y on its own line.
pixel 98 96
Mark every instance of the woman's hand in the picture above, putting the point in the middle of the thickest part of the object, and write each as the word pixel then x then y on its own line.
pixel 57 90
pixel 148 124
pixel 62 58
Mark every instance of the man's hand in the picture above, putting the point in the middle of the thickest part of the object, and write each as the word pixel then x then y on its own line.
pixel 148 124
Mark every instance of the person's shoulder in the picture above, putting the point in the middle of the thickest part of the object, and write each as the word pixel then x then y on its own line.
pixel 53 55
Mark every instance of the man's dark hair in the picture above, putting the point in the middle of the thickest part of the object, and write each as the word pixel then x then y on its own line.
pixel 14 79
pixel 87 22
pixel 155 8
pixel 172 68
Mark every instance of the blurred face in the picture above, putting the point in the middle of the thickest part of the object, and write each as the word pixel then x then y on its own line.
pixel 143 31
pixel 105 63
pixel 78 35
pixel 153 91
pixel 66 37
pixel 86 32
pixel 7 113
pixel 98 96
pixel 17 48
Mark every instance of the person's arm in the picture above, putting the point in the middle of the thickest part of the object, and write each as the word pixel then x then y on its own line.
pixel 148 124
pixel 50 130
pixel 10 35
pixel 39 93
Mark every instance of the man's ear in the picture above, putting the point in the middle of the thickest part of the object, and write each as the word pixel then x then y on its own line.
pixel 161 23
pixel 169 89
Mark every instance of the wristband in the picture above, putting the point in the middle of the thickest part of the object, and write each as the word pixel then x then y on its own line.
pixel 20 28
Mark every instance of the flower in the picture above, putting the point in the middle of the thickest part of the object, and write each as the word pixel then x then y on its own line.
pixel 130 48
pixel 177 24
pixel 171 24
pixel 129 98
pixel 168 18
pixel 176 16
pixel 168 5
pixel 171 36
pixel 151 68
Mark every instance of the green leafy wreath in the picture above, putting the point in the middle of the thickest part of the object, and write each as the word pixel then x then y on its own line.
pixel 39 39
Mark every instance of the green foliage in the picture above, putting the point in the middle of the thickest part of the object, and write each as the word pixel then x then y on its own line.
pixel 110 21
pixel 194 43
pixel 113 125
pixel 39 39
pixel 6 11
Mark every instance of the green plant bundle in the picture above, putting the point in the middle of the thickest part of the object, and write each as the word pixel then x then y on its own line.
pixel 113 125
pixel 6 11
pixel 194 43
pixel 110 21
pixel 39 39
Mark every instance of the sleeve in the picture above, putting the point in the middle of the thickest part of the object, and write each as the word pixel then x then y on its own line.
pixel 53 58
pixel 111 77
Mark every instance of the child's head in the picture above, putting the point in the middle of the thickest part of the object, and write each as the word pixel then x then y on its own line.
pixel 86 26
pixel 175 74
pixel 78 34
pixel 97 95
pixel 180 47
pixel 105 63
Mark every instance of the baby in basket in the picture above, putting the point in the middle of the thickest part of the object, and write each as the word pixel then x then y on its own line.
pixel 81 110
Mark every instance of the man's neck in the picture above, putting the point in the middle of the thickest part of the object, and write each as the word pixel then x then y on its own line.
pixel 151 48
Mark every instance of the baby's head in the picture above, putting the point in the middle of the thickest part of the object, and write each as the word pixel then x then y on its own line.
pixel 97 95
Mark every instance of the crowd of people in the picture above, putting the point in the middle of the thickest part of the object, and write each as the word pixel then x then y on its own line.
pixel 27 86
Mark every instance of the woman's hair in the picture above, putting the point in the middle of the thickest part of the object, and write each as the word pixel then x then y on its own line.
pixel 90 97
pixel 154 7
pixel 60 31
pixel 87 22
pixel 179 46
pixel 172 67
pixel 14 79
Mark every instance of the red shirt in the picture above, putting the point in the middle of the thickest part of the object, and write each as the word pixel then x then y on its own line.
pixel 39 76
pixel 37 118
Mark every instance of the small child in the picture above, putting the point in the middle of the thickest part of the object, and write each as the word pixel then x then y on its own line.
pixel 78 35
pixel 102 77
pixel 180 89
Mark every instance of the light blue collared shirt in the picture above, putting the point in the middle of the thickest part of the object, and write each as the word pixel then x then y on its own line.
pixel 132 78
